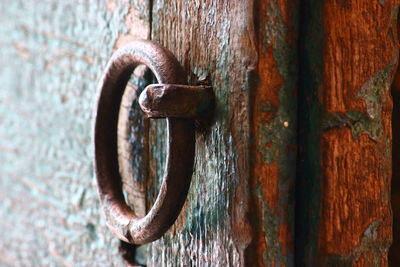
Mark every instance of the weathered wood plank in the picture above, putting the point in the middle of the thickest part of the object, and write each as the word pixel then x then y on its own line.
pixel 274 115
pixel 52 54
pixel 215 39
pixel 348 56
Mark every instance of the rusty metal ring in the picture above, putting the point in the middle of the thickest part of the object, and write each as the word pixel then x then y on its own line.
pixel 180 153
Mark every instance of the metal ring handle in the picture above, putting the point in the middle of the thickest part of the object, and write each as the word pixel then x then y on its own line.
pixel 180 154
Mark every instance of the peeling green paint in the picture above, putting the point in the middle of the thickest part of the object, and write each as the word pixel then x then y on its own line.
pixel 373 92
pixel 205 235
pixel 51 58
pixel 358 121
pixel 369 237
pixel 277 136
pixel 313 122
pixel 273 255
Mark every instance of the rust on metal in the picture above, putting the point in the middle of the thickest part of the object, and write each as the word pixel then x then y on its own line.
pixel 176 100
pixel 122 221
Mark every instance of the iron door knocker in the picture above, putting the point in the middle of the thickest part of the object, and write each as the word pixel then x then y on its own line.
pixel 170 99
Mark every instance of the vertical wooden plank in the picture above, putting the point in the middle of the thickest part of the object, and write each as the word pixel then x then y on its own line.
pixel 52 54
pixel 274 116
pixel 348 53
pixel 212 39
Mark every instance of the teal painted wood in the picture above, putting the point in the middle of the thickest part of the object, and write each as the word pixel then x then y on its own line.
pixel 52 54
pixel 214 39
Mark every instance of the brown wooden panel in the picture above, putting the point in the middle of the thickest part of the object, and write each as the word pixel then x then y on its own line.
pixel 212 39
pixel 345 132
pixel 248 53
pixel 274 116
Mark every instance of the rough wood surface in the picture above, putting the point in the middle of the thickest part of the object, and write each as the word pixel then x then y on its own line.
pixel 349 52
pixel 274 115
pixel 215 39
pixel 240 205
pixel 52 54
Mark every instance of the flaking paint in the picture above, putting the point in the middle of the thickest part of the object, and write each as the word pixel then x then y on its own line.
pixel 275 125
pixel 51 58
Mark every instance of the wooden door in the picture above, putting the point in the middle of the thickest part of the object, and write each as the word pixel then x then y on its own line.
pixel 349 55
pixel 294 168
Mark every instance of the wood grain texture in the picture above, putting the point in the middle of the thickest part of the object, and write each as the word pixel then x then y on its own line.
pixel 348 57
pixel 214 39
pixel 52 54
pixel 240 206
pixel 274 116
